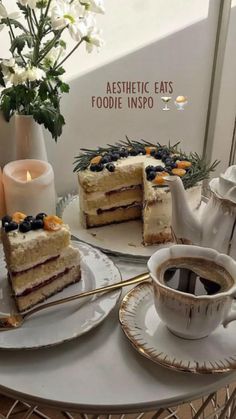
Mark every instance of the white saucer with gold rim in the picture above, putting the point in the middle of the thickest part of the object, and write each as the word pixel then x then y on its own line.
pixel 151 338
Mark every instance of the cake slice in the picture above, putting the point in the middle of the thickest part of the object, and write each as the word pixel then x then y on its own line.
pixel 39 257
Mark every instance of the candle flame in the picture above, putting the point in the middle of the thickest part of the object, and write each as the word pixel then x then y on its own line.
pixel 28 176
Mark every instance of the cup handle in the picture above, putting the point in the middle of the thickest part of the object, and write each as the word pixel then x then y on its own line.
pixel 230 318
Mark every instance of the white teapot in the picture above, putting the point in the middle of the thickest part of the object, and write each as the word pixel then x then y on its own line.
pixel 215 227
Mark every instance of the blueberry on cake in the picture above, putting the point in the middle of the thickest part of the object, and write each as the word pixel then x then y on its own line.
pixel 39 257
pixel 126 181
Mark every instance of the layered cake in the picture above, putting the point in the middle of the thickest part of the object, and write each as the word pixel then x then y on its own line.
pixel 39 257
pixel 127 182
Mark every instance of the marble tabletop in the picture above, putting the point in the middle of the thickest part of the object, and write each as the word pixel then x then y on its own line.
pixel 100 372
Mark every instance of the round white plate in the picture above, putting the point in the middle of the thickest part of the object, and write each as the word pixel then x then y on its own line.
pixel 123 239
pixel 68 321
pixel 151 338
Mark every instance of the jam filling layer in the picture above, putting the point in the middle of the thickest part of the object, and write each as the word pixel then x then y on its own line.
pixel 35 266
pixel 43 284
pixel 133 205
pixel 125 188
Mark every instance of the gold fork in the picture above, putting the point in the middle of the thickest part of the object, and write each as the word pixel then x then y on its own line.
pixel 15 320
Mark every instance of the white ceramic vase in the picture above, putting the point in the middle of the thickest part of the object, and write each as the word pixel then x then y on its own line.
pixel 29 139
pixel 7 143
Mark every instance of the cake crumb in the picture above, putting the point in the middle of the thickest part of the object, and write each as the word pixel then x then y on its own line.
pixel 132 244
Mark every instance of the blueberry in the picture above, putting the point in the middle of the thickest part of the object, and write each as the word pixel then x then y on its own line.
pixel 6 219
pixel 168 169
pixel 94 167
pixel 151 175
pixel 124 152
pixel 10 226
pixel 41 216
pixel 158 155
pixel 37 224
pixel 115 156
pixel 142 151
pixel 29 218
pixel 105 159
pixel 164 157
pixel 169 162
pixel 110 167
pixel 25 226
pixel 150 169
pixel 133 152
pixel 159 169
pixel 153 152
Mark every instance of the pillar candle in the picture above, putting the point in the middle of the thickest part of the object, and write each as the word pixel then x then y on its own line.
pixel 29 187
pixel 2 197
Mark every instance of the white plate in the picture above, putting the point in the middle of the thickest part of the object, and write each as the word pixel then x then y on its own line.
pixel 68 321
pixel 122 239
pixel 152 339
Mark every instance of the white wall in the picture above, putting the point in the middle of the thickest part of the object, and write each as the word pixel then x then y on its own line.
pixel 127 26
pixel 185 57
pixel 152 41
pixel 227 100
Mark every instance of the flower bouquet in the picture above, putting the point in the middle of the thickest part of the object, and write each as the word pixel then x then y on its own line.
pixel 32 77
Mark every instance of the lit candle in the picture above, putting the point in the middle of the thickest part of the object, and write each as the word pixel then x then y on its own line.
pixel 29 187
pixel 2 197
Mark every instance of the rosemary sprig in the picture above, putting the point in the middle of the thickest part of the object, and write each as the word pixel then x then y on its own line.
pixel 199 170
pixel 82 161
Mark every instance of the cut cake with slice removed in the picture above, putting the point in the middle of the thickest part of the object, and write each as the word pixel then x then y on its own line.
pixel 133 189
pixel 39 258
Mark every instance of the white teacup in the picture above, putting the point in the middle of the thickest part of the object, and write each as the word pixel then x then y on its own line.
pixel 187 315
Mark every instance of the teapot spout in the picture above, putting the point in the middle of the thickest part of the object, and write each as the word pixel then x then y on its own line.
pixel 186 227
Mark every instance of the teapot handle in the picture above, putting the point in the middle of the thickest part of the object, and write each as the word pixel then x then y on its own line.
pixel 230 317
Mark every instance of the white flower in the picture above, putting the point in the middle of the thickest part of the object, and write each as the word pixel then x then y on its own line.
pixel 53 56
pixel 10 62
pixel 33 74
pixel 31 3
pixel 15 74
pixel 65 14
pixel 12 72
pixel 96 6
pixel 5 15
pixel 93 39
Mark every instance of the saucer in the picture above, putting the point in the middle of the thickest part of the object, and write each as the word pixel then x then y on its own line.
pixel 151 338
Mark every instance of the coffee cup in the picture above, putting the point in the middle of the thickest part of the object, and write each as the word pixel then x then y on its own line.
pixel 194 288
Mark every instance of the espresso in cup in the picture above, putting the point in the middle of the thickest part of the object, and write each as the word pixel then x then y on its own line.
pixel 195 276
pixel 194 288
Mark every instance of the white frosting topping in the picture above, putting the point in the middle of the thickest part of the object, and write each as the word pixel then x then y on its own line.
pixel 16 237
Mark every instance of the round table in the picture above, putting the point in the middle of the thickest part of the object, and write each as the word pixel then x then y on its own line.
pixel 100 372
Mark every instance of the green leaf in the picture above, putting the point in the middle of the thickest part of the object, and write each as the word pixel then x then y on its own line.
pixel 50 118
pixel 62 43
pixel 43 90
pixel 15 23
pixel 64 87
pixel 6 107
pixel 56 73
pixel 2 82
pixel 19 42
pixel 23 9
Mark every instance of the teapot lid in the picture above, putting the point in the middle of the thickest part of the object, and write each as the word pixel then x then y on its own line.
pixel 225 185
